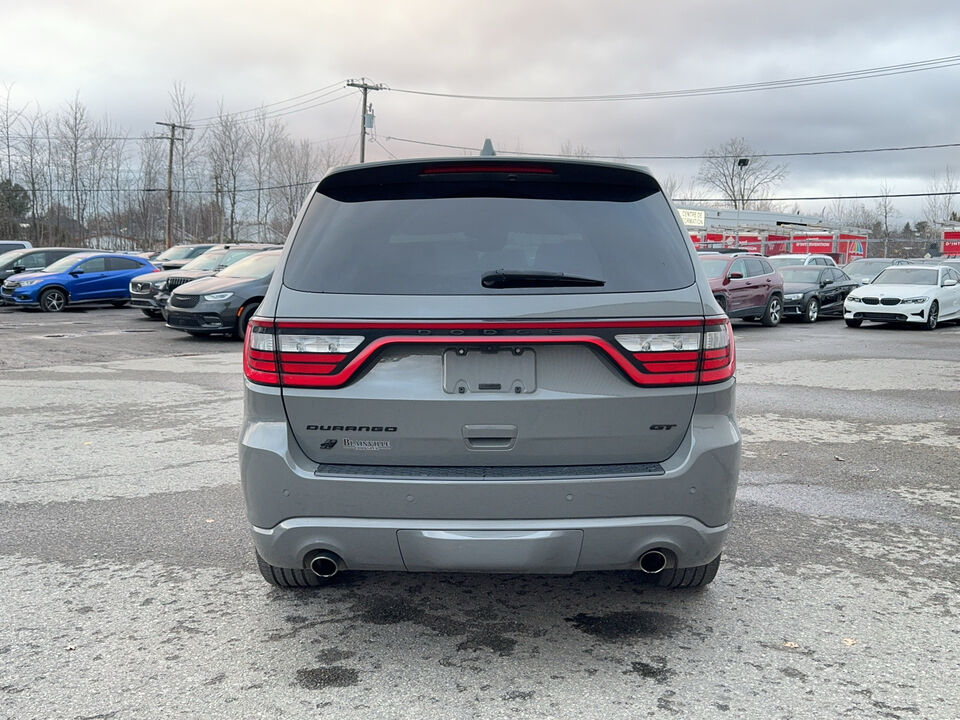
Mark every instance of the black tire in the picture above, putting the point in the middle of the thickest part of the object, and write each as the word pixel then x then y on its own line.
pixel 152 314
pixel 932 316
pixel 773 313
pixel 692 577
pixel 853 323
pixel 244 319
pixel 119 303
pixel 812 311
pixel 289 577
pixel 53 300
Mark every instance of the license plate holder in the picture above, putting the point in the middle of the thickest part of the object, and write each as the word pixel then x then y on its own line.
pixel 481 370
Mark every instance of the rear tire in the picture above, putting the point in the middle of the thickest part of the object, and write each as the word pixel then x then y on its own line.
pixel 773 313
pixel 53 300
pixel 812 311
pixel 692 577
pixel 289 577
pixel 853 323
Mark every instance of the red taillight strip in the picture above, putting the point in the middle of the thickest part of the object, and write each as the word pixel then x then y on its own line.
pixel 519 325
pixel 259 366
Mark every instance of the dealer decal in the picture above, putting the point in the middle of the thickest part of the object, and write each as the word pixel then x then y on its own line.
pixel 349 444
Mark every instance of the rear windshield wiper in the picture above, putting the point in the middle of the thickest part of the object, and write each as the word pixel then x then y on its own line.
pixel 535 278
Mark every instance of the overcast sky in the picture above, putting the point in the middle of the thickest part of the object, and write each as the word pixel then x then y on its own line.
pixel 122 58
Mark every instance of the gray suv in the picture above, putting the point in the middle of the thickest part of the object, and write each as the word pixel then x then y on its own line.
pixel 489 365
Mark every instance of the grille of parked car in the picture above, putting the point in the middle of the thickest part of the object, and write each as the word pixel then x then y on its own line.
pixel 890 301
pixel 184 301
pixel 177 282
pixel 141 287
pixel 870 300
pixel 183 319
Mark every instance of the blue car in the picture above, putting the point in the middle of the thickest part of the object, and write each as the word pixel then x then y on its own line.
pixel 90 277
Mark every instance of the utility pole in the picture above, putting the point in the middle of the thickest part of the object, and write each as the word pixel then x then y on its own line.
pixel 364 86
pixel 173 129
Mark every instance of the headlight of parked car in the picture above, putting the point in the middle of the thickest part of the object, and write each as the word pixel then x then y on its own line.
pixel 159 283
pixel 852 298
pixel 915 300
pixel 218 296
pixel 31 282
pixel 793 296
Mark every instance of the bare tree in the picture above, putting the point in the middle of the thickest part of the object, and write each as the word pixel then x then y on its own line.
pixel 941 207
pixel 9 120
pixel 885 212
pixel 189 149
pixel 32 169
pixel 739 174
pixel 567 149
pixel 228 149
pixel 73 138
pixel 264 137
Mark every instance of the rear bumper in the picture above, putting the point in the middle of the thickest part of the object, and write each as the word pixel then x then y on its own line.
pixel 506 546
pixel 557 523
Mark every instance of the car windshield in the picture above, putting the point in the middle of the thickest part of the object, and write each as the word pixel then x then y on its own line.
pixel 178 252
pixel 714 267
pixel 801 275
pixel 866 267
pixel 208 261
pixel 785 261
pixel 258 265
pixel 64 264
pixel 907 276
pixel 9 259
pixel 236 254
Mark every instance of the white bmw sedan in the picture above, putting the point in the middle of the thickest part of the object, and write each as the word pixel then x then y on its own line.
pixel 925 294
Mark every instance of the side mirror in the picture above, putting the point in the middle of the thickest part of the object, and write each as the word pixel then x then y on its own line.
pixel 735 276
pixel 76 272
pixel 18 268
pixel 949 282
pixel 866 281
pixel 824 283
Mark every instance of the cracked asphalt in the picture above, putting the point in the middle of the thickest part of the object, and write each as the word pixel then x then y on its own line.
pixel 129 588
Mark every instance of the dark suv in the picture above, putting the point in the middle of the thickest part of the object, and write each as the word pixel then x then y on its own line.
pixel 489 365
pixel 746 286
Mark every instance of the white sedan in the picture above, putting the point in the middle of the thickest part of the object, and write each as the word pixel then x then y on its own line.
pixel 925 294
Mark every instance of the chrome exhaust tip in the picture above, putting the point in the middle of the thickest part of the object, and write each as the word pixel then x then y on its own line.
pixel 653 562
pixel 325 564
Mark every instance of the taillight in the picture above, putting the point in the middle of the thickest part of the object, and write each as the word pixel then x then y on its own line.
pixel 683 358
pixel 651 353
pixel 303 357
pixel 260 353
pixel 719 355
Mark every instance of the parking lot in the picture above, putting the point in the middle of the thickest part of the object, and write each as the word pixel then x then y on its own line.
pixel 130 588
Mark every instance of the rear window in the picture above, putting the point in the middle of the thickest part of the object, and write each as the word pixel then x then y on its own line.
pixel 442 237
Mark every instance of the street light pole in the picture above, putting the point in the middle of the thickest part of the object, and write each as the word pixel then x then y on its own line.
pixel 738 187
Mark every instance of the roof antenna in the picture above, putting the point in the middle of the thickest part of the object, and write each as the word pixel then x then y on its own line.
pixel 487 149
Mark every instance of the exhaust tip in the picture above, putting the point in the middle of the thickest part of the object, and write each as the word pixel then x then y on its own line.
pixel 325 564
pixel 653 562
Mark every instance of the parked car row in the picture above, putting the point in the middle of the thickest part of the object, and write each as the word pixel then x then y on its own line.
pixel 218 291
pixel 807 287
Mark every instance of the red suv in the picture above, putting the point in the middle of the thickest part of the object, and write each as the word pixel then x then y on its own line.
pixel 746 286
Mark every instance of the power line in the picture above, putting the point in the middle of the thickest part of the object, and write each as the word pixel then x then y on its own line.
pixel 825 79
pixel 278 102
pixel 806 153
pixel 270 116
pixel 826 197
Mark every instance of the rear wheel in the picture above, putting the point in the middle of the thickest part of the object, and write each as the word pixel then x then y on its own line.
pixel 289 577
pixel 812 311
pixel 773 313
pixel 691 577
pixel 932 316
pixel 53 300
pixel 853 323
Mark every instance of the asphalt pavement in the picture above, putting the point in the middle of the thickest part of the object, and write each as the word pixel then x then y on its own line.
pixel 129 588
